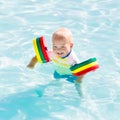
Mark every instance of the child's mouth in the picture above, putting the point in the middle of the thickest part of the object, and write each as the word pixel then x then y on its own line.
pixel 60 54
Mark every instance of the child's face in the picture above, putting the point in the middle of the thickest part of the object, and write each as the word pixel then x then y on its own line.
pixel 61 47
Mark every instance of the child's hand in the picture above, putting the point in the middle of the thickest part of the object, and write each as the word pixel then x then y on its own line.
pixel 32 63
pixel 30 66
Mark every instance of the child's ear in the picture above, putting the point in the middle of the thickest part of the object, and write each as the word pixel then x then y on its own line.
pixel 71 45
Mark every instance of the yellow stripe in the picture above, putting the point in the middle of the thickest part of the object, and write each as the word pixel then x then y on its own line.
pixel 84 67
pixel 36 50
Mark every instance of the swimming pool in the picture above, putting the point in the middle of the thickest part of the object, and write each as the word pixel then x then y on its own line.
pixel 33 94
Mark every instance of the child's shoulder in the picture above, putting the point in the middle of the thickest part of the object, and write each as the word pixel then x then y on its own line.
pixel 74 57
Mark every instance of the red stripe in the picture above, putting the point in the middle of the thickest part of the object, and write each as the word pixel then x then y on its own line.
pixel 42 44
pixel 86 70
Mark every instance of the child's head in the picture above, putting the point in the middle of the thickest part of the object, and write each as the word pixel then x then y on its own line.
pixel 62 42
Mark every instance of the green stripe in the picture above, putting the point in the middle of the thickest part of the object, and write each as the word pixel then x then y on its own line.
pixel 40 50
pixel 83 63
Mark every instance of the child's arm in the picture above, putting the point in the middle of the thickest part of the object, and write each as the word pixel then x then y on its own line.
pixel 32 63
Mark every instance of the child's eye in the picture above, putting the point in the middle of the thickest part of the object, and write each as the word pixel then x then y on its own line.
pixel 54 47
pixel 63 47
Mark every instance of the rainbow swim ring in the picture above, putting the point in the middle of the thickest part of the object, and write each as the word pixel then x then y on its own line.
pixel 41 50
pixel 84 67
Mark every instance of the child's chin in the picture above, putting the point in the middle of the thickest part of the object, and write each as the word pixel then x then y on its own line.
pixel 61 56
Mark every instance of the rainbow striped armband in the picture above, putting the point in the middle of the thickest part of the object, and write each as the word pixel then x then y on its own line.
pixel 84 67
pixel 40 49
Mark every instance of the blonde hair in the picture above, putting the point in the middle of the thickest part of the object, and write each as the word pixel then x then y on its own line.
pixel 62 33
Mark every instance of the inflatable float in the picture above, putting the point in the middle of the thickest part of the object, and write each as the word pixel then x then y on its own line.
pixel 84 67
pixel 40 49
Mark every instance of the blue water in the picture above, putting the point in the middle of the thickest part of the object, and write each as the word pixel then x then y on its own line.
pixel 33 94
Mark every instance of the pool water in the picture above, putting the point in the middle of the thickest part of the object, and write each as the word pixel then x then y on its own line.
pixel 33 94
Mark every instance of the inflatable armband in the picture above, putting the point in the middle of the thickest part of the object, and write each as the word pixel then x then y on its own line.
pixel 84 67
pixel 41 50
